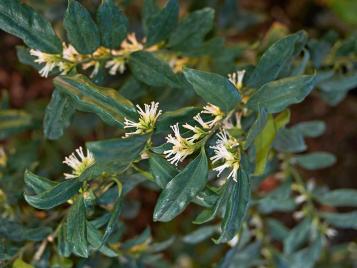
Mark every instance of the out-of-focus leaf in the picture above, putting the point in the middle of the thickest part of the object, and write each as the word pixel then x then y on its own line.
pixel 256 128
pixel 289 140
pixel 315 160
pixel 112 24
pixel 107 103
pixel 339 197
pixel 13 122
pixel 214 88
pixel 19 263
pixel 58 115
pixel 307 257
pixel 297 236
pixel 82 32
pixel 182 189
pixel 277 230
pixel 311 129
pixel 22 21
pixel 341 220
pixel 200 234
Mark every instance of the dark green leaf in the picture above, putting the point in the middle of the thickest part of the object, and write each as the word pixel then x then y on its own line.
pixel 180 191
pixel 22 21
pixel 112 24
pixel 191 31
pixel 297 236
pixel 13 122
pixel 94 238
pixel 289 140
pixel 257 127
pixel 152 71
pixel 38 184
pixel 339 197
pixel 275 59
pixel 77 228
pixel 277 95
pixel 213 88
pixel 54 196
pixel 315 160
pixel 63 245
pixel 107 103
pixel 58 115
pixel 163 23
pixel 237 206
pixel 162 170
pixel 341 220
pixel 82 32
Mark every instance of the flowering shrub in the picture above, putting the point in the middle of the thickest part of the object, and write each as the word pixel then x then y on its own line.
pixel 185 115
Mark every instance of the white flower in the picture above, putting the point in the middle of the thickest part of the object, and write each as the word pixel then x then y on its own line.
pixel 95 64
pixel 181 148
pixel 70 53
pixel 330 232
pixel 226 150
pixel 297 215
pixel 300 199
pixel 234 241
pixel 78 164
pixel 147 119
pixel 131 44
pixel 236 78
pixel 116 65
pixel 51 61
pixel 214 111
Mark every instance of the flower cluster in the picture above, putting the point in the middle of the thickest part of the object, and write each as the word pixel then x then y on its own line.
pixel 78 164
pixel 227 151
pixel 70 57
pixel 181 146
pixel 147 119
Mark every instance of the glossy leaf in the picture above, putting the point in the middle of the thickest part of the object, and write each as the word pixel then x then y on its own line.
pixel 277 95
pixel 112 24
pixel 82 32
pixel 162 23
pixel 180 191
pixel 38 184
pixel 213 88
pixel 107 103
pixel 58 115
pixel 22 21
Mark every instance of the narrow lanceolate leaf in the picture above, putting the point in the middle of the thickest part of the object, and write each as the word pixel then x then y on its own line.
pixel 13 122
pixel 237 205
pixel 152 71
pixel 107 103
pixel 55 196
pixel 339 198
pixel 77 228
pixel 257 127
pixel 275 59
pixel 163 23
pixel 112 24
pixel 213 88
pixel 191 31
pixel 341 220
pixel 115 155
pixel 94 238
pixel 58 115
pixel 297 236
pixel 23 22
pixel 82 32
pixel 277 95
pixel 37 183
pixel 180 191
pixel 315 160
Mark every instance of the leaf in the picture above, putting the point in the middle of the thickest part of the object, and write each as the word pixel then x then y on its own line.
pixel 341 220
pixel 162 170
pixel 82 32
pixel 289 141
pixel 152 71
pixel 115 155
pixel 55 196
pixel 13 122
pixel 162 23
pixel 179 192
pixel 277 230
pixel 213 88
pixel 277 95
pixel 22 21
pixel 339 83
pixel 63 245
pixel 192 30
pixel 315 160
pixel 77 228
pixel 311 129
pixel 307 257
pixel 58 115
pixel 339 198
pixel 275 59
pixel 107 103
pixel 237 206
pixel 112 24
pixel 200 234
pixel 38 184
pixel 297 236
pixel 256 128
pixel 94 238
pixel 19 263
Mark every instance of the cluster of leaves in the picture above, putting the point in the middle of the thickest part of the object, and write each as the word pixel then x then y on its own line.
pixel 180 64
